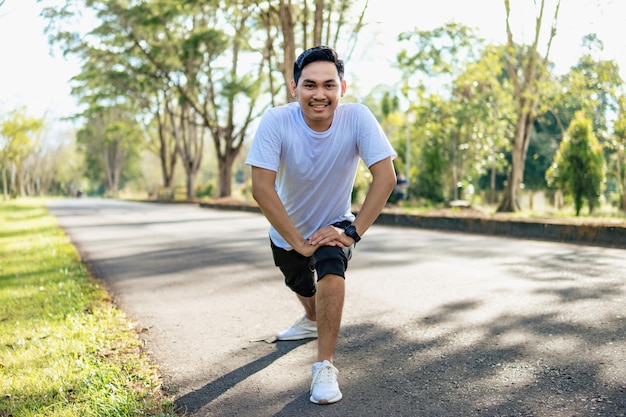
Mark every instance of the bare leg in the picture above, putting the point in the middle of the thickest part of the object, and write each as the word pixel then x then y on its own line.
pixel 309 306
pixel 330 296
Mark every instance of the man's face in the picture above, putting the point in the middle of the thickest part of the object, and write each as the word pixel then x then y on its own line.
pixel 318 92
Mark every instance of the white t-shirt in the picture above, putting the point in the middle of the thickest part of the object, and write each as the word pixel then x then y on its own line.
pixel 315 171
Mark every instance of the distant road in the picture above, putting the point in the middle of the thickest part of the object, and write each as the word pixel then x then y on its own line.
pixel 435 323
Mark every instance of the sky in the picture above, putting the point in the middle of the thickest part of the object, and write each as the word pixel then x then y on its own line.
pixel 34 76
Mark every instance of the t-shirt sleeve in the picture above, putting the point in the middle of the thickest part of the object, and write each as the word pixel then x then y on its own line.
pixel 266 147
pixel 374 146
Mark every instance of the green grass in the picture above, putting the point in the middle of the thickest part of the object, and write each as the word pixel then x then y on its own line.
pixel 65 350
pixel 602 215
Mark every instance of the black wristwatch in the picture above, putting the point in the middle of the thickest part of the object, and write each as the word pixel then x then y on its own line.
pixel 351 232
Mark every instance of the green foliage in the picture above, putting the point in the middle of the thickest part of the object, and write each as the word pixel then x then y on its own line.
pixel 461 130
pixel 111 141
pixel 160 59
pixel 361 184
pixel 541 150
pixel 17 141
pixel 443 50
pixel 205 190
pixel 595 83
pixel 430 179
pixel 579 166
pixel 69 169
pixel 16 134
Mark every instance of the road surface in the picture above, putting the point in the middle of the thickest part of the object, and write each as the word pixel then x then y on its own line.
pixel 435 323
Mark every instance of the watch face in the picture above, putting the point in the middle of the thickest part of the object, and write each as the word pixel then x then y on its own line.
pixel 351 231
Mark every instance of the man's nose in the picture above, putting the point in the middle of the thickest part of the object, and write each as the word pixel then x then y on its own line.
pixel 319 93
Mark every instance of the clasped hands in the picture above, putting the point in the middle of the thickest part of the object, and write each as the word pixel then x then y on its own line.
pixel 326 236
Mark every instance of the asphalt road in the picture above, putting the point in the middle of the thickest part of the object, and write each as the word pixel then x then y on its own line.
pixel 435 323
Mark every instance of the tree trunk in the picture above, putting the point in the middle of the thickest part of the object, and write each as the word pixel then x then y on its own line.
pixel 5 185
pixel 510 201
pixel 168 155
pixel 13 182
pixel 523 130
pixel 492 185
pixel 455 169
pixel 289 45
pixel 225 167
pixel 621 177
pixel 191 184
pixel 107 170
pixel 319 22
pixel 20 180
pixel 527 94
pixel 120 155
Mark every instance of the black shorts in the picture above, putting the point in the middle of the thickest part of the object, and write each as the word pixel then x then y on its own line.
pixel 299 271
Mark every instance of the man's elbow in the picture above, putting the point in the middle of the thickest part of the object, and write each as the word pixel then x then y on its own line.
pixel 260 194
pixel 384 176
pixel 390 182
pixel 257 194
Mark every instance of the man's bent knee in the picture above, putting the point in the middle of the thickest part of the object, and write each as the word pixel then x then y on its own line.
pixel 330 260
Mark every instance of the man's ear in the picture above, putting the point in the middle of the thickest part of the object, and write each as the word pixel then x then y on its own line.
pixel 292 88
pixel 343 87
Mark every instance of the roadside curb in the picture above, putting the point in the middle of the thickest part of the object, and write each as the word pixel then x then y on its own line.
pixel 587 234
pixel 612 236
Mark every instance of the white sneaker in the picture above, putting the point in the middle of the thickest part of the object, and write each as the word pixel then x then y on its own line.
pixel 324 387
pixel 301 329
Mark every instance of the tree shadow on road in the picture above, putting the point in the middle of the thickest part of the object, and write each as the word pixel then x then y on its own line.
pixel 195 400
pixel 523 363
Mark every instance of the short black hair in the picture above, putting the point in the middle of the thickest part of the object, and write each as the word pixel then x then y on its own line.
pixel 315 54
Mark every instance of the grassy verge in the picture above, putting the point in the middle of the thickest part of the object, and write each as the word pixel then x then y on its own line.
pixel 65 350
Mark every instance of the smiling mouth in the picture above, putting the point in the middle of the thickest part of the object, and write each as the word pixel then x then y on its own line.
pixel 319 105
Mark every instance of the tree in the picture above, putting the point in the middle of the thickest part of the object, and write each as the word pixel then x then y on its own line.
pixel 110 140
pixel 192 48
pixel 206 47
pixel 432 156
pixel 17 138
pixel 289 24
pixel 483 110
pixel 212 61
pixel 437 55
pixel 110 77
pixel 187 129
pixel 595 82
pixel 460 126
pixel 68 166
pixel 526 72
pixel 579 166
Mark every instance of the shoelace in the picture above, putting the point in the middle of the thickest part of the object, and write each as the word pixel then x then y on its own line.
pixel 302 323
pixel 325 375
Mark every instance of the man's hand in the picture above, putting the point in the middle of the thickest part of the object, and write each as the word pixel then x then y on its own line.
pixel 330 236
pixel 306 248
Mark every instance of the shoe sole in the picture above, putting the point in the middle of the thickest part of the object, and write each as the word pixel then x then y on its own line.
pixel 325 402
pixel 296 337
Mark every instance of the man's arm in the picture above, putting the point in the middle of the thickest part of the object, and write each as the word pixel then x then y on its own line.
pixel 264 193
pixel 383 183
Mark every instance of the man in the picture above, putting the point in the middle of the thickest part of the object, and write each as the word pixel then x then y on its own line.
pixel 304 159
